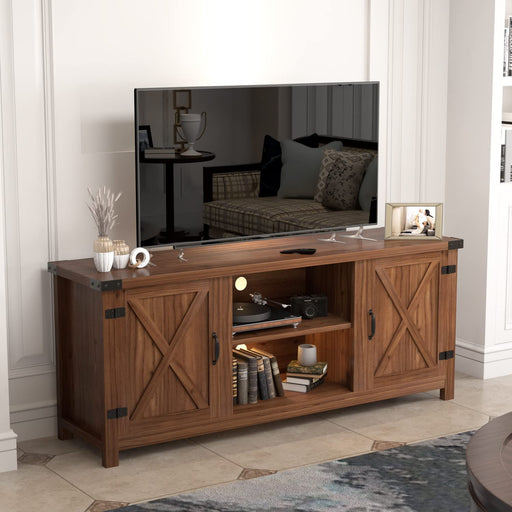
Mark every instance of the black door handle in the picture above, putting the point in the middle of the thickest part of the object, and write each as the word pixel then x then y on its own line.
pixel 216 348
pixel 372 333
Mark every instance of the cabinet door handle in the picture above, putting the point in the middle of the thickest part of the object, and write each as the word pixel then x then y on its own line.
pixel 216 348
pixel 372 333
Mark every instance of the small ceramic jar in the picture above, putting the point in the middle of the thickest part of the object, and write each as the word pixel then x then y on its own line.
pixel 121 254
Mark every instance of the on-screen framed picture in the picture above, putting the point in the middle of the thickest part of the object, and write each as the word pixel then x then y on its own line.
pixel 145 139
pixel 421 221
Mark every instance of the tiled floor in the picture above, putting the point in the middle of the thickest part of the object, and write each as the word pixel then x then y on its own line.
pixel 67 476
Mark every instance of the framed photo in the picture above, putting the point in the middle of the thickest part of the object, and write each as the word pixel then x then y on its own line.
pixel 414 220
pixel 145 140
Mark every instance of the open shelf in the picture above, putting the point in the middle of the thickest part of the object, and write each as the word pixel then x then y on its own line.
pixel 326 391
pixel 312 326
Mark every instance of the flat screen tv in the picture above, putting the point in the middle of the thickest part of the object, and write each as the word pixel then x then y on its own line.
pixel 228 163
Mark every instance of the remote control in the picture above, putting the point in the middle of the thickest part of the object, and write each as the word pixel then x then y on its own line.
pixel 298 251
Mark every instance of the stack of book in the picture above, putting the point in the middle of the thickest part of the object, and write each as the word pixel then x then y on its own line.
pixel 507 47
pixel 164 152
pixel 257 376
pixel 304 378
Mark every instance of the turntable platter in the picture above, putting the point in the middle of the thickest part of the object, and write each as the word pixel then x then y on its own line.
pixel 247 312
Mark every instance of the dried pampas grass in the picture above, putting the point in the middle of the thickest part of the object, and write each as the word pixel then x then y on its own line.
pixel 102 209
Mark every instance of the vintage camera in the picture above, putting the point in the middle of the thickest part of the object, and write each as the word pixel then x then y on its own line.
pixel 309 306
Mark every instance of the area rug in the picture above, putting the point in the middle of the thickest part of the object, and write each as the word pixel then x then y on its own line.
pixel 422 477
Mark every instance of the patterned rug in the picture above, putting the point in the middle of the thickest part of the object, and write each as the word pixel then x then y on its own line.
pixel 424 477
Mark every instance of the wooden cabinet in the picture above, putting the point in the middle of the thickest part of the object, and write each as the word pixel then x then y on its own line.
pixel 168 362
pixel 404 318
pixel 144 356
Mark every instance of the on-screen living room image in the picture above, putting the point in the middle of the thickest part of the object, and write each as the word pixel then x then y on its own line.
pixel 258 169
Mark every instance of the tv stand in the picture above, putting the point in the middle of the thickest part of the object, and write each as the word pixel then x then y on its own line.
pixel 144 356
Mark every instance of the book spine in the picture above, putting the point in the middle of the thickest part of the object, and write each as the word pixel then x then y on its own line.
pixel 243 397
pixel 305 380
pixel 299 388
pixel 253 381
pixel 505 53
pixel 502 158
pixel 269 377
pixel 508 155
pixel 234 380
pixel 302 388
pixel 278 383
pixel 509 56
pixel 262 380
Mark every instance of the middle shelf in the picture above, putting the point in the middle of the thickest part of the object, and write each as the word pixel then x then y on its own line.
pixel 311 326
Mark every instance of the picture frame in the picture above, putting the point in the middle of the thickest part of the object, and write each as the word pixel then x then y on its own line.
pixel 145 139
pixel 418 221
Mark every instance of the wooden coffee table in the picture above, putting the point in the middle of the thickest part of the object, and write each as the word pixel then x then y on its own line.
pixel 489 464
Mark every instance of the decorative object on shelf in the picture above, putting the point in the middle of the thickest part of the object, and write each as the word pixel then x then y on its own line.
pixel 188 127
pixel 421 221
pixel 135 261
pixel 103 254
pixel 307 354
pixel 295 368
pixel 103 213
pixel 121 254
pixel 309 306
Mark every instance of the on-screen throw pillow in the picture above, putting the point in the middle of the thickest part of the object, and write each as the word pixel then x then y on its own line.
pixel 270 175
pixel 301 165
pixel 350 157
pixel 344 179
pixel 368 187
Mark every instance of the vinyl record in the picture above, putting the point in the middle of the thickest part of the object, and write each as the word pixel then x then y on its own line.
pixel 246 312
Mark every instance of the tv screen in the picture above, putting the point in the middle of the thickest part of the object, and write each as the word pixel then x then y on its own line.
pixel 227 163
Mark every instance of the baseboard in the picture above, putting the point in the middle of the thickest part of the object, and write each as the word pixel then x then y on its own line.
pixel 34 421
pixel 8 452
pixel 483 362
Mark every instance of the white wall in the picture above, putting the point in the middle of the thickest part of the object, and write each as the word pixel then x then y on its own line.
pixel 75 65
pixel 8 460
pixel 484 320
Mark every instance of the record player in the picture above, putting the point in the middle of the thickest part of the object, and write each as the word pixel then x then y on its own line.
pixel 262 313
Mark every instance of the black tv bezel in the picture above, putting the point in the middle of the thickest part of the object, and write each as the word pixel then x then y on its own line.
pixel 195 243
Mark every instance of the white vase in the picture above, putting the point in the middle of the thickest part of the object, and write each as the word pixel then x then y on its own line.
pixel 103 254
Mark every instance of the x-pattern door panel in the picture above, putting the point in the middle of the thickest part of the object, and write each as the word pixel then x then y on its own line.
pixel 167 346
pixel 405 304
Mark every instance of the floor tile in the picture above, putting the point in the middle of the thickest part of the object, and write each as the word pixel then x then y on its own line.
pixel 52 446
pixel 145 473
pixel 407 419
pixel 286 444
pixel 491 397
pixel 105 506
pixel 37 489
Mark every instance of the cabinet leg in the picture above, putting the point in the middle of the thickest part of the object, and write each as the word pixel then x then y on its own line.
pixel 447 393
pixel 110 457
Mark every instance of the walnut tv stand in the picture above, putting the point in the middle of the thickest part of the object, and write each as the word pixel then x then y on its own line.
pixel 144 356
